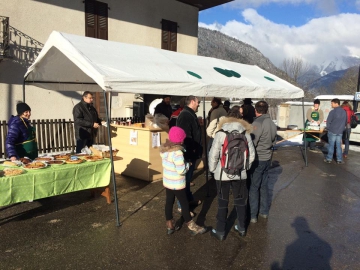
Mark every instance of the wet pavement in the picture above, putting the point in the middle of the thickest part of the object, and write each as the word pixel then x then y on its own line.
pixel 313 224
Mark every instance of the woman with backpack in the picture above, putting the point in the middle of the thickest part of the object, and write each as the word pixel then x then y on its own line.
pixel 346 135
pixel 235 132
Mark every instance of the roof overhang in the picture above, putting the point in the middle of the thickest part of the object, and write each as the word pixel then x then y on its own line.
pixel 205 4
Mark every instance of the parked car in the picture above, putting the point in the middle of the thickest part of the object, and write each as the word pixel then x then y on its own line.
pixel 355 132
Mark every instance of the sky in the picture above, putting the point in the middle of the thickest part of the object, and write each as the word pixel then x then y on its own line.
pixel 313 30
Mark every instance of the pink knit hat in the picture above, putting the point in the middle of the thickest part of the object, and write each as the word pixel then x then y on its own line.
pixel 177 135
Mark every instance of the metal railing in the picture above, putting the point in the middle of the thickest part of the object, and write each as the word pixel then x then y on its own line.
pixel 4 37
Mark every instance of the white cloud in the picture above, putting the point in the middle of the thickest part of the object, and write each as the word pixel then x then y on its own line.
pixel 319 40
pixel 326 6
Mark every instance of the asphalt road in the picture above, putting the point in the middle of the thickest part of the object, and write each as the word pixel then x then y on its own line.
pixel 313 224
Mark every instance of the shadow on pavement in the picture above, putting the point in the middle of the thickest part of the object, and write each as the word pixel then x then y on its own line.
pixel 28 210
pixel 309 251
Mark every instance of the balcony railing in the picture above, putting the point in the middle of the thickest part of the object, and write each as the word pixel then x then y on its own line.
pixel 4 37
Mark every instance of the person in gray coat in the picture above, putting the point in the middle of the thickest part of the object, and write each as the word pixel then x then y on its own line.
pixel 264 131
pixel 229 123
pixel 335 124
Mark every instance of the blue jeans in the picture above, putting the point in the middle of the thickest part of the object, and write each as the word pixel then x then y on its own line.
pixel 334 140
pixel 188 178
pixel 346 137
pixel 259 187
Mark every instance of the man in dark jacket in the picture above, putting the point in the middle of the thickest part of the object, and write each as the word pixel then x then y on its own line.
pixel 164 107
pixel 335 124
pixel 86 121
pixel 189 122
pixel 264 131
pixel 248 111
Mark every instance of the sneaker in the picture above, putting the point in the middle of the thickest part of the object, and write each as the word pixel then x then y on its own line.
pixel 170 225
pixel 327 161
pixel 263 216
pixel 195 229
pixel 253 220
pixel 241 232
pixel 340 162
pixel 219 236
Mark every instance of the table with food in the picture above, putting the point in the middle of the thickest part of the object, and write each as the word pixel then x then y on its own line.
pixel 46 176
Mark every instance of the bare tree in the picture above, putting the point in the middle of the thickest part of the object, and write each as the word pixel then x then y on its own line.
pixel 347 85
pixel 295 67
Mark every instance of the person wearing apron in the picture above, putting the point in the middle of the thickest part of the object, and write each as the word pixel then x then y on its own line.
pixel 314 115
pixel 21 138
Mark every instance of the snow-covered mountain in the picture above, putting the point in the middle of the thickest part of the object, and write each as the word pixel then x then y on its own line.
pixel 338 63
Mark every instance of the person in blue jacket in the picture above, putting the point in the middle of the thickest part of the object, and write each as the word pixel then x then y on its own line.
pixel 21 139
pixel 335 124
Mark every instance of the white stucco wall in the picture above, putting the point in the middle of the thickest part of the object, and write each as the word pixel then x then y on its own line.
pixel 136 22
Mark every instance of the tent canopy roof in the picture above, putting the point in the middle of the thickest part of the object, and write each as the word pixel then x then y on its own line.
pixel 76 63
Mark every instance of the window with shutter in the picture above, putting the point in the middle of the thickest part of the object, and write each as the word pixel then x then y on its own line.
pixel 169 35
pixel 96 19
pixel 96 26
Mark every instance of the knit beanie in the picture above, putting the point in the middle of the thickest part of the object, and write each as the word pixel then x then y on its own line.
pixel 177 135
pixel 22 107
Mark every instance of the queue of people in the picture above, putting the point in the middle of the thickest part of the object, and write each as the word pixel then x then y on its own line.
pixel 250 185
pixel 259 142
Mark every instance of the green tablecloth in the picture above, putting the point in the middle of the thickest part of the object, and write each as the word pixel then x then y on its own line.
pixel 54 180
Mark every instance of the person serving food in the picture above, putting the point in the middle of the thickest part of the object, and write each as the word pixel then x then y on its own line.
pixel 314 117
pixel 21 139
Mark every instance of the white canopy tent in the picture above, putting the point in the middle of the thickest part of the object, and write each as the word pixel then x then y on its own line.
pixel 76 63
pixel 67 61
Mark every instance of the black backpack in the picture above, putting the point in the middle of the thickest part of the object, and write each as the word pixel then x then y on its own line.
pixel 235 153
pixel 353 121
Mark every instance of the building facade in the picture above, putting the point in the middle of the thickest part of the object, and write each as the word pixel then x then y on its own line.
pixel 26 24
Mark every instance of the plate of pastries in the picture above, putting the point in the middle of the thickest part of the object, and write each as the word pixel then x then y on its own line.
pixel 35 165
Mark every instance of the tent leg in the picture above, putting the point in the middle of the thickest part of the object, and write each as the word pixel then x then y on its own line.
pixel 112 162
pixel 24 90
pixel 206 154
pixel 304 134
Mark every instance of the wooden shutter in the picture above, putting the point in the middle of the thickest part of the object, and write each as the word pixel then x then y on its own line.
pixel 102 20
pixel 169 35
pixel 96 19
pixel 90 19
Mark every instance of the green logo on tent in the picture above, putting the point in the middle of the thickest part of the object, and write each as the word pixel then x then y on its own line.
pixel 194 74
pixel 227 73
pixel 270 79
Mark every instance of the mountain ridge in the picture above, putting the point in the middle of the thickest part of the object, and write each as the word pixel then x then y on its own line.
pixel 317 80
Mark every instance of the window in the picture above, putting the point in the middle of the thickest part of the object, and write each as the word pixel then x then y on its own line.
pixel 96 19
pixel 169 35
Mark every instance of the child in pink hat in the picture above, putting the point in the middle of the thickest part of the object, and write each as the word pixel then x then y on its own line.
pixel 174 170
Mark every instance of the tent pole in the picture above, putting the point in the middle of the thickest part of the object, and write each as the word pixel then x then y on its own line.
pixel 206 154
pixel 304 135
pixel 110 106
pixel 112 161
pixel 24 90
